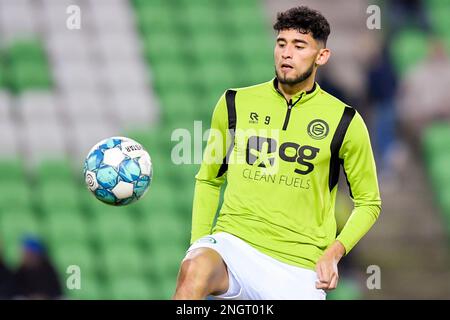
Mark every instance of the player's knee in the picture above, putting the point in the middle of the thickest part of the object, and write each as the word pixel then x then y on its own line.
pixel 192 283
pixel 195 269
pixel 196 272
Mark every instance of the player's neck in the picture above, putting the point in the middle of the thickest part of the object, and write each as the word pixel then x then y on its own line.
pixel 289 90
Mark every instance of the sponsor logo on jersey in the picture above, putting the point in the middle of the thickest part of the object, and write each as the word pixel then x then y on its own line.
pixel 318 129
pixel 253 118
pixel 261 152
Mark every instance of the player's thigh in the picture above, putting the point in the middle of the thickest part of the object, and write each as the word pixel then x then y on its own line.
pixel 205 266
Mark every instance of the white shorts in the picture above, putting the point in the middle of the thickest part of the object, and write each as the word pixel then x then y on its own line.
pixel 257 276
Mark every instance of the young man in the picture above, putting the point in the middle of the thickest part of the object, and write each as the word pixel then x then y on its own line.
pixel 280 145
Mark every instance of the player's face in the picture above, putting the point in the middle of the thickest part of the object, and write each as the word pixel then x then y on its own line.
pixel 295 56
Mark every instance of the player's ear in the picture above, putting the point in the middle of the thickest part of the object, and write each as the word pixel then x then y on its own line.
pixel 323 56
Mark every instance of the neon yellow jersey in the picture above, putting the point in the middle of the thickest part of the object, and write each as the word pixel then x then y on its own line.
pixel 281 160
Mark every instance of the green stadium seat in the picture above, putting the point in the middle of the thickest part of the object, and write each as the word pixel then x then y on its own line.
pixel 16 223
pixel 54 170
pixel 159 197
pixel 26 50
pixel 166 288
pixel 14 194
pixel 166 258
pixel 130 288
pixel 14 226
pixel 440 170
pixel 408 48
pixel 65 227
pixel 247 17
pixel 347 289
pixel 3 81
pixel 142 4
pixel 29 75
pixel 438 15
pixel 200 16
pixel 162 47
pixel 210 48
pixel 436 138
pixel 443 196
pixel 150 139
pixel 74 253
pixel 122 260
pixel 113 227
pixel 154 19
pixel 57 195
pixel 206 74
pixel 170 74
pixel 155 228
pixel 11 169
pixel 180 106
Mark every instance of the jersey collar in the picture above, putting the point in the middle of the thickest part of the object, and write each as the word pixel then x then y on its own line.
pixel 306 95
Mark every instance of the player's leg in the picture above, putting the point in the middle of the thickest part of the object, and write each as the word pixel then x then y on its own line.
pixel 202 272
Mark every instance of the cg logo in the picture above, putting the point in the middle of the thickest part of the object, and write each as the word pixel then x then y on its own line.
pixel 261 152
pixel 318 129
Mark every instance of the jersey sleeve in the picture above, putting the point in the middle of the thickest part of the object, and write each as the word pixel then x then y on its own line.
pixel 359 165
pixel 208 181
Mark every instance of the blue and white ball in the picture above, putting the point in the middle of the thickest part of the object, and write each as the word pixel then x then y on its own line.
pixel 118 171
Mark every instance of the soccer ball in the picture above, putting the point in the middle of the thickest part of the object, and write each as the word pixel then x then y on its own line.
pixel 118 171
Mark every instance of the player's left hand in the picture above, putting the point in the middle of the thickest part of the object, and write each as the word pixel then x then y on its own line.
pixel 326 267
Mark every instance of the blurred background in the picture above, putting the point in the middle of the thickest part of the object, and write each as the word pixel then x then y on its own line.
pixel 142 68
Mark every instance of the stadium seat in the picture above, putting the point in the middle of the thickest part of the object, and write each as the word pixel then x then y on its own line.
pixel 57 195
pixel 37 106
pixel 164 72
pixel 54 170
pixel 11 169
pixel 74 253
pixel 166 258
pixel 167 287
pixel 162 47
pixel 65 226
pixel 436 138
pixel 15 224
pixel 160 196
pixel 440 170
pixel 29 75
pixel 200 16
pixel 130 288
pixel 2 75
pixel 408 48
pixel 154 19
pixel 122 260
pixel 346 290
pixel 15 194
pixel 150 138
pixel 112 228
pixel 26 50
pixel 9 145
pixel 163 226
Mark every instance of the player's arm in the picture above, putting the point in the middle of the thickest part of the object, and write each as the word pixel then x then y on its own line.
pixel 208 180
pixel 359 165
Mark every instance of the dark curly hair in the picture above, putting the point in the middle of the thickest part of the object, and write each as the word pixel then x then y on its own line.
pixel 304 20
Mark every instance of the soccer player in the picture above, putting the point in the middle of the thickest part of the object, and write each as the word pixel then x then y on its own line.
pixel 281 145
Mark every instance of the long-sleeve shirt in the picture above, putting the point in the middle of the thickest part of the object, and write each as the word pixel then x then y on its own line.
pixel 281 161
